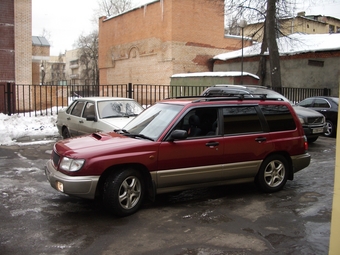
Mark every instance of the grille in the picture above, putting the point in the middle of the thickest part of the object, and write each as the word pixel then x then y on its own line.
pixel 55 158
pixel 315 120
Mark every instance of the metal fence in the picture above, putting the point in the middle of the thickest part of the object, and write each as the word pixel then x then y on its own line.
pixel 33 100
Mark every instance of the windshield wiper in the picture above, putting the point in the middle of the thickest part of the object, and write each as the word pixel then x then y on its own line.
pixel 121 131
pixel 112 116
pixel 138 135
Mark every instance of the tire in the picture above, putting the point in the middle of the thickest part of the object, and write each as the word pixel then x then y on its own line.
pixel 123 192
pixel 65 133
pixel 273 173
pixel 331 129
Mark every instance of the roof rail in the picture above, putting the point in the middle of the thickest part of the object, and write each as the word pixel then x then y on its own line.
pixel 239 97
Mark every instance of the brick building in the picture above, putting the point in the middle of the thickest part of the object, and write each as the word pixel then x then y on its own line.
pixel 149 44
pixel 307 24
pixel 16 41
pixel 15 49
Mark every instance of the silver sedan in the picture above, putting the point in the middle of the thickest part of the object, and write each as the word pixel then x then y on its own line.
pixel 96 114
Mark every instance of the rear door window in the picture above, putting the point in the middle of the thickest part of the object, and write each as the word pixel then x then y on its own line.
pixel 241 119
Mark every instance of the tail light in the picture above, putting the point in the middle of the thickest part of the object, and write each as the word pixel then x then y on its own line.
pixel 306 144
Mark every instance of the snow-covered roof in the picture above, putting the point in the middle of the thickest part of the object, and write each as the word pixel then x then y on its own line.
pixel 293 44
pixel 213 74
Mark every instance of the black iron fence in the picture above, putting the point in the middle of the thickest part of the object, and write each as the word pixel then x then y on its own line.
pixel 33 100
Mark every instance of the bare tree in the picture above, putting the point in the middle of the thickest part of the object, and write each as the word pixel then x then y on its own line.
pixel 88 57
pixel 113 7
pixel 269 12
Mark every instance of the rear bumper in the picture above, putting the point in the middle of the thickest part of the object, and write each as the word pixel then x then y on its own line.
pixel 300 161
pixel 79 186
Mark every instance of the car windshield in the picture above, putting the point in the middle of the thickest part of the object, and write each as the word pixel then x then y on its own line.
pixel 153 121
pixel 118 108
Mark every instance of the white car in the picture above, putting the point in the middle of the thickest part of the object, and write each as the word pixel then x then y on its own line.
pixel 96 114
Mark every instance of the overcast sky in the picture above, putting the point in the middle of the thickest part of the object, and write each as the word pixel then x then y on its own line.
pixel 65 20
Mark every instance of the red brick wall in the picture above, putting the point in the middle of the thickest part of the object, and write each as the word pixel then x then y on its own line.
pixel 7 66
pixel 149 44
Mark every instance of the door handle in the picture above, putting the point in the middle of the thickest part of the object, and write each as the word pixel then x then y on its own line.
pixel 68 118
pixel 211 144
pixel 260 139
pixel 81 121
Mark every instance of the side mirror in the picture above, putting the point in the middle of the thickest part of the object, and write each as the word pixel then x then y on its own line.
pixel 178 134
pixel 91 118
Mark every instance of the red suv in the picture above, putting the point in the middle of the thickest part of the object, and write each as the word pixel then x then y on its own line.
pixel 180 144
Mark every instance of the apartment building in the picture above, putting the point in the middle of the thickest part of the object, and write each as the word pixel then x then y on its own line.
pixel 307 24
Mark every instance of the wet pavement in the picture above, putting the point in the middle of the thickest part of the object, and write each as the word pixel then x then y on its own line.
pixel 238 219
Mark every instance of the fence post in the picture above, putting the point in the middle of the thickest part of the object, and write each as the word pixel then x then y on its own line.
pixel 326 92
pixel 129 90
pixel 9 101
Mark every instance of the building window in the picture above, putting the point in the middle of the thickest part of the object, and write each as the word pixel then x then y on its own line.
pixel 331 29
pixel 316 63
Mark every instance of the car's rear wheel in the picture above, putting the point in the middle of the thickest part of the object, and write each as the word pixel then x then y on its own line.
pixel 123 192
pixel 330 132
pixel 273 173
pixel 66 133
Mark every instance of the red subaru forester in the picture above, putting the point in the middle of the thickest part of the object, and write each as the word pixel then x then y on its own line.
pixel 183 143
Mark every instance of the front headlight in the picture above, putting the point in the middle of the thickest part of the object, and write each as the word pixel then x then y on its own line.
pixel 302 120
pixel 72 165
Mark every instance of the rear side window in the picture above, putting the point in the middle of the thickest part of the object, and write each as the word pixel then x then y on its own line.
pixel 241 119
pixel 278 117
pixel 78 109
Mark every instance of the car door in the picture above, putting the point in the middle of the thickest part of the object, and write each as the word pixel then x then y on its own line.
pixel 75 117
pixel 245 141
pixel 323 106
pixel 88 126
pixel 193 160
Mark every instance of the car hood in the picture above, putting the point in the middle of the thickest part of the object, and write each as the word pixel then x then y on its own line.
pixel 306 112
pixel 117 122
pixel 95 144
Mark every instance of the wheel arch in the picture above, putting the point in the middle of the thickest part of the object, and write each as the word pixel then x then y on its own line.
pixel 150 187
pixel 286 155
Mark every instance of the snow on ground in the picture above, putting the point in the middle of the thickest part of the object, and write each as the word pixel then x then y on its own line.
pixel 17 126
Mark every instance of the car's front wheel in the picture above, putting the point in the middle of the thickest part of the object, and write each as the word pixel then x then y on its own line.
pixel 124 192
pixel 65 133
pixel 273 173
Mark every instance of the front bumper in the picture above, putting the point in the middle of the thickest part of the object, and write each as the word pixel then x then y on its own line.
pixel 79 186
pixel 314 131
pixel 300 161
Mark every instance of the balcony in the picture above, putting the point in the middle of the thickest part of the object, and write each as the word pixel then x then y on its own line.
pixel 73 66
pixel 74 76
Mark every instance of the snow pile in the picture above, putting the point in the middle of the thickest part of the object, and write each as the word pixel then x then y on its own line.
pixel 291 45
pixel 18 126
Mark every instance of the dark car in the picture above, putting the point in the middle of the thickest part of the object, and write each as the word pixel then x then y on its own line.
pixel 180 144
pixel 328 106
pixel 313 123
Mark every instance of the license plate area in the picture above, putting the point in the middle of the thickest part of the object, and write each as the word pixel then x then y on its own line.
pixel 317 130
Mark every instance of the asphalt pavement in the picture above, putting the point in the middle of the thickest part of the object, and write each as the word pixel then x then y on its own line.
pixel 236 219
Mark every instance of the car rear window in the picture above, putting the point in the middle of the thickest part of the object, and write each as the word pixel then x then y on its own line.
pixel 278 117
